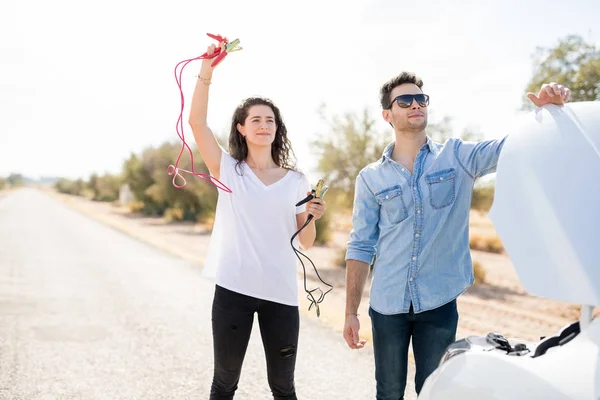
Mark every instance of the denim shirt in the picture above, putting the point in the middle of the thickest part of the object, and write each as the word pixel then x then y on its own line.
pixel 417 225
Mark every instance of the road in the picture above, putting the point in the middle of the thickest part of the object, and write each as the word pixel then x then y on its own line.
pixel 87 312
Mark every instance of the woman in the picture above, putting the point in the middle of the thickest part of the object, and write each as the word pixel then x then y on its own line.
pixel 250 247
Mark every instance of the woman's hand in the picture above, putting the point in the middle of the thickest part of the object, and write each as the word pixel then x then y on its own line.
pixel 316 207
pixel 206 70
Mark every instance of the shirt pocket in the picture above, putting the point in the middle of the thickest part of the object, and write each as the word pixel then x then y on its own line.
pixel 441 185
pixel 392 204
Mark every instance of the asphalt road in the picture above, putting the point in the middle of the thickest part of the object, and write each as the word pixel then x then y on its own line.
pixel 87 312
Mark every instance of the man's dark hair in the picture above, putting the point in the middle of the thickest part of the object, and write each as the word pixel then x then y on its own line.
pixel 386 89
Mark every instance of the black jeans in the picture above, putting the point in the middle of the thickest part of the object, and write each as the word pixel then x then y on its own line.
pixel 232 319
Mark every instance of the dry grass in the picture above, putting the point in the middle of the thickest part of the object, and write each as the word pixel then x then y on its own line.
pixel 491 244
pixel 340 260
pixel 483 236
pixel 135 206
pixel 479 272
pixel 207 222
pixel 173 214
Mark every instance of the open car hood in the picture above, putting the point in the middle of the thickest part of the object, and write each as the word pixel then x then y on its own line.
pixel 546 206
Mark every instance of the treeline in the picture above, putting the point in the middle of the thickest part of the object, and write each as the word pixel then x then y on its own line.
pixel 153 193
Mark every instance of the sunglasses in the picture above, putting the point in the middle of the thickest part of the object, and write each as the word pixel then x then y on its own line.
pixel 406 100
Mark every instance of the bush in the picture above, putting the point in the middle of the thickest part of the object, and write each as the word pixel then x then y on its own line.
pixel 479 272
pixel 340 260
pixel 68 186
pixel 174 214
pixel 15 180
pixel 492 244
pixel 146 175
pixel 105 188
pixel 483 197
pixel 135 206
pixel 323 226
pixel 2 183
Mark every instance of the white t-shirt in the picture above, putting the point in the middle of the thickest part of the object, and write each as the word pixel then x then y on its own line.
pixel 250 250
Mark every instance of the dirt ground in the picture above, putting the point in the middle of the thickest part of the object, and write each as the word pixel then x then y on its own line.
pixel 500 305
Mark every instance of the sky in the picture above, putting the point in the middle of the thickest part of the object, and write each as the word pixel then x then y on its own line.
pixel 85 84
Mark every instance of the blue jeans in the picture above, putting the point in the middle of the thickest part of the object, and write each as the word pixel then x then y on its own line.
pixel 431 332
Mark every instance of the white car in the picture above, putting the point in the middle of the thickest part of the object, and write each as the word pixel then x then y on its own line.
pixel 547 212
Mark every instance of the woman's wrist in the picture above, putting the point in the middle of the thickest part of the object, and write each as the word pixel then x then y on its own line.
pixel 205 73
pixel 205 80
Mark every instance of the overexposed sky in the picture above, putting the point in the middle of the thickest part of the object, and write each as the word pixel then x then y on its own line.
pixel 85 84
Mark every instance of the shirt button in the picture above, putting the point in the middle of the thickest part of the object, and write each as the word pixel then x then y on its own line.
pixel 418 211
pixel 414 188
pixel 414 258
pixel 387 196
pixel 441 178
pixel 411 279
pixel 417 235
pixel 403 169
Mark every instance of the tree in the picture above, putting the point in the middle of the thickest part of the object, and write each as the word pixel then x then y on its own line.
pixel 15 180
pixel 147 177
pixel 572 63
pixel 483 196
pixel 440 131
pixel 471 135
pixel 351 144
pixel 137 176
pixel 69 186
pixel 104 188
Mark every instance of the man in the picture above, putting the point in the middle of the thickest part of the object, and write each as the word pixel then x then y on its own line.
pixel 411 213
